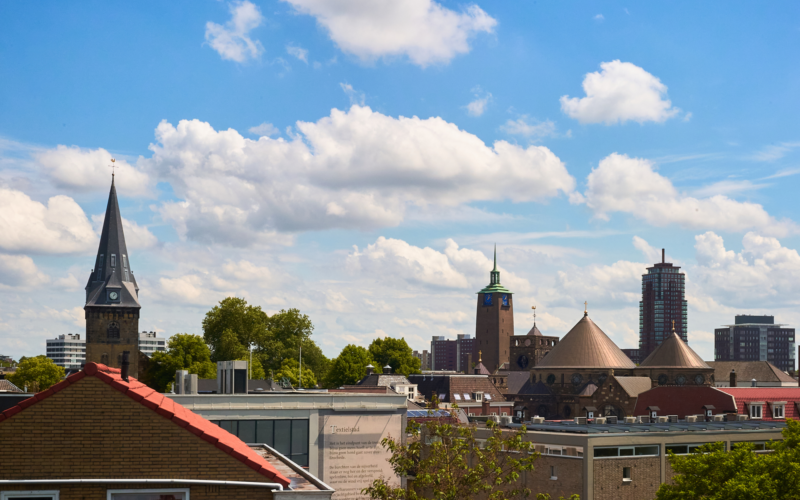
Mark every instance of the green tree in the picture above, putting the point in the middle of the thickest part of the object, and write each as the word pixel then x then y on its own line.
pixel 184 352
pixel 37 374
pixel 712 473
pixel 395 353
pixel 234 319
pixel 453 466
pixel 289 329
pixel 290 368
pixel 349 367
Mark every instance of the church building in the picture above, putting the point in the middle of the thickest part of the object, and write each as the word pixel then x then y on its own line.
pixel 112 298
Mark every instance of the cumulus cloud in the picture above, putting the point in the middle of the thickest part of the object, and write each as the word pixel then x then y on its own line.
pixel 631 185
pixel 530 128
pixel 88 170
pixel 355 96
pixel 764 273
pixel 27 226
pixel 395 260
pixel 602 285
pixel 298 52
pixel 208 284
pixel 353 169
pixel 478 106
pixel 620 92
pixel 19 271
pixel 265 129
pixel 423 30
pixel 232 41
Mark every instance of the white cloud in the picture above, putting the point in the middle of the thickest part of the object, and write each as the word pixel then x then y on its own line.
pixel 775 152
pixel 763 274
pixel 298 52
pixel 599 18
pixel 32 227
pixel 265 129
pixel 19 271
pixel 478 106
pixel 88 170
pixel 728 187
pixel 356 97
pixel 353 169
pixel 527 127
pixel 630 185
pixel 620 92
pixel 232 41
pixel 423 30
pixel 651 254
pixel 601 285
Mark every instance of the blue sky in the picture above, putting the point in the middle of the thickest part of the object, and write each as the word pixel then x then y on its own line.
pixel 359 162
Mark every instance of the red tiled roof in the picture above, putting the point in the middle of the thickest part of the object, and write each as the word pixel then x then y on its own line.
pixel 684 400
pixel 168 409
pixel 746 395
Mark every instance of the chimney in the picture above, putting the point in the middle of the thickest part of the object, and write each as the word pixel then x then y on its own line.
pixel 387 369
pixel 126 363
pixel 662 255
pixel 753 383
pixel 733 378
pixel 370 369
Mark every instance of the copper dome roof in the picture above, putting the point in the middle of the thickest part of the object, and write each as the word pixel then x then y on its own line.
pixel 586 346
pixel 673 352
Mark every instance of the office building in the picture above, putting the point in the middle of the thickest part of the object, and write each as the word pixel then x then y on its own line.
pixel 453 355
pixel 150 342
pixel 67 351
pixel 424 358
pixel 663 302
pixel 755 338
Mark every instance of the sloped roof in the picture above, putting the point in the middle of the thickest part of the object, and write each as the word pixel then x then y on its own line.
pixel 673 352
pixel 588 390
pixel 516 380
pixel 449 385
pixel 481 369
pixel 762 371
pixel 745 395
pixel 535 388
pixel 534 331
pixel 685 400
pixel 634 385
pixel 585 346
pixel 167 408
pixel 379 379
pixel 7 386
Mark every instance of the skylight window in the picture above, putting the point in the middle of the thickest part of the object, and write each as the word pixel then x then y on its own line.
pixel 466 397
pixel 457 396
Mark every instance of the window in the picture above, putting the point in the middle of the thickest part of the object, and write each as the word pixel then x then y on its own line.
pixel 755 410
pixel 466 397
pixel 160 494
pixel 778 410
pixel 124 260
pixel 29 495
pixel 553 472
pixel 113 260
pixel 457 397
pixel 626 474
pixel 287 437
pixel 626 451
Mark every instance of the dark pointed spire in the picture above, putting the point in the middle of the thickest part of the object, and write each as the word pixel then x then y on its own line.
pixel 111 282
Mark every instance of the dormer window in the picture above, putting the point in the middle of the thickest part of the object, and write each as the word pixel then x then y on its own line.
pixel 124 261
pixel 100 267
pixel 756 410
pixel 779 409
pixel 113 260
pixel 478 396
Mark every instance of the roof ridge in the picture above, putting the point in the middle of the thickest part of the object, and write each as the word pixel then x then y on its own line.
pixel 167 408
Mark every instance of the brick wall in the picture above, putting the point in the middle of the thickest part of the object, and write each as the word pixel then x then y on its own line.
pixel 494 326
pixel 98 492
pixel 645 475
pixel 568 470
pixel 90 430
pixel 98 344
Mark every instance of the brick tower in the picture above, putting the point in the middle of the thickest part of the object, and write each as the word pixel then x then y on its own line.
pixel 112 297
pixel 494 322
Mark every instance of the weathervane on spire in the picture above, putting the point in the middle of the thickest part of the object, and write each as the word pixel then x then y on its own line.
pixel 534 315
pixel 585 308
pixel 480 356
pixel 113 166
pixel 673 326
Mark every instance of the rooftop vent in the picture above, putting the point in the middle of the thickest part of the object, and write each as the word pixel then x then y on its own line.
pixel 387 370
pixel 719 418
pixel 630 420
pixel 580 420
pixel 538 420
pixel 600 420
pixel 691 418
pixel 612 419
pixel 371 369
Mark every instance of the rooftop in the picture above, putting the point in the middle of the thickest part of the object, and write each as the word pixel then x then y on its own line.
pixel 585 346
pixel 674 353
pixel 569 426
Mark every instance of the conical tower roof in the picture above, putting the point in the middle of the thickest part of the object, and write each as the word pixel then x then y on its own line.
pixel 674 353
pixel 111 282
pixel 535 331
pixel 585 346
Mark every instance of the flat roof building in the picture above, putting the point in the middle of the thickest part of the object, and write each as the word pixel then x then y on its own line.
pixel 756 338
pixel 150 342
pixel 67 351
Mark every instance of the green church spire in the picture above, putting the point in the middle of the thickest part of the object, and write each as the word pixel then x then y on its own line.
pixel 494 279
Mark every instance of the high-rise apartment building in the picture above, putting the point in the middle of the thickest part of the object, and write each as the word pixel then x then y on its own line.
pixel 150 342
pixel 663 301
pixel 67 351
pixel 755 338
pixel 424 358
pixel 453 355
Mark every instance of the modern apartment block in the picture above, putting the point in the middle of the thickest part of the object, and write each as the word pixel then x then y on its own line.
pixel 453 355
pixel 424 358
pixel 67 351
pixel 755 338
pixel 150 342
pixel 663 301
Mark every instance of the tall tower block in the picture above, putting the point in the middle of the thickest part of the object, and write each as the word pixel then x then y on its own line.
pixel 112 297
pixel 494 322
pixel 663 301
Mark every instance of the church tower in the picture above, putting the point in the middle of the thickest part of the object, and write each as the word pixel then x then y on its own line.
pixel 494 322
pixel 112 297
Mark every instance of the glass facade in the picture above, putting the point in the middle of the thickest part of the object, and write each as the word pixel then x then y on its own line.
pixel 287 437
pixel 663 302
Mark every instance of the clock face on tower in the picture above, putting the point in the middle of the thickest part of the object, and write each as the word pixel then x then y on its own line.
pixel 113 296
pixel 505 299
pixel 487 299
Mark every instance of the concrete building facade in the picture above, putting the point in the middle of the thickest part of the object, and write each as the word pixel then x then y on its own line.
pixel 756 338
pixel 67 351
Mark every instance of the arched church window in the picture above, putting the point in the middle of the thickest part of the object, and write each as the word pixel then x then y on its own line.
pixel 113 330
